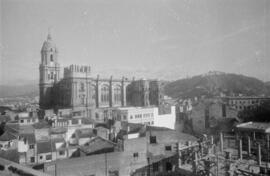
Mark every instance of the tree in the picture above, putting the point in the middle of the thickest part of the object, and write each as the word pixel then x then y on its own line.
pixel 2 128
pixel 259 113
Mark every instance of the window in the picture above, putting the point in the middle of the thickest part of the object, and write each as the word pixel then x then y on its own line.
pixel 224 110
pixel 82 99
pixel 48 157
pixel 52 75
pixel 51 57
pixel 93 91
pixel 105 94
pixel 168 148
pixel 153 140
pixel 41 157
pixel 131 117
pixel 135 155
pixel 117 95
pixel 32 159
pixel 22 121
pixel 168 166
pixel 61 152
pixel 82 87
pixel 155 167
pixel 31 146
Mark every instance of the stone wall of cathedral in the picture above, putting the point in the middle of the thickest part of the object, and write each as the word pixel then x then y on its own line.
pixel 78 89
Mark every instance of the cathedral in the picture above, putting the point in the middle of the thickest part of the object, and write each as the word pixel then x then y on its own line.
pixel 79 91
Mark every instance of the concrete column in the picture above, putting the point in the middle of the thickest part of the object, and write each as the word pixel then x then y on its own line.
pixel 240 151
pixel 211 140
pixel 202 150
pixel 97 92
pixel 228 155
pixel 72 94
pixel 221 142
pixel 111 100
pixel 180 160
pixel 267 140
pixel 195 162
pixel 249 146
pixel 259 156
pixel 123 93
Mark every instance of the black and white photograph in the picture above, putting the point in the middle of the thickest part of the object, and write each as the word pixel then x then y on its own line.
pixel 135 87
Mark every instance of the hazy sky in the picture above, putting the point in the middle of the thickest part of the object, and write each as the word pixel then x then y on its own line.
pixel 155 38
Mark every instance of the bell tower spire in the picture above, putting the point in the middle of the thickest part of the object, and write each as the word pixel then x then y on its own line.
pixel 49 70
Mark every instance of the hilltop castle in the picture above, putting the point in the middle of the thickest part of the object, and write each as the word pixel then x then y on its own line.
pixel 82 93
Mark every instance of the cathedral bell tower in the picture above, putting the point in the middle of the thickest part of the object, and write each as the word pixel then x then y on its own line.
pixel 48 73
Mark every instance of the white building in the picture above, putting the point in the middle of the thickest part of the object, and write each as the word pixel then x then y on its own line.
pixel 147 115
pixel 27 118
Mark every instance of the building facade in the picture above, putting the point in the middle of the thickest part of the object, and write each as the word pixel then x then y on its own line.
pixel 78 89
pixel 152 116
pixel 242 103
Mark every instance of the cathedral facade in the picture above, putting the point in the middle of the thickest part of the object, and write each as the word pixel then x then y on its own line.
pixel 78 89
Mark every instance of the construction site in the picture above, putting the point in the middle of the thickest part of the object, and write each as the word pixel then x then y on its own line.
pixel 244 152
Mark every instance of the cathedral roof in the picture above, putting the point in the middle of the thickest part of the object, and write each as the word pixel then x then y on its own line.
pixel 48 44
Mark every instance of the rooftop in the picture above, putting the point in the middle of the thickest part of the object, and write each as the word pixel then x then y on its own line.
pixel 41 125
pixel 96 144
pixel 49 145
pixel 29 137
pixel 23 170
pixel 7 136
pixel 255 126
pixel 85 133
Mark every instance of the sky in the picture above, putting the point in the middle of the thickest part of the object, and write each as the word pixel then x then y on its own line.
pixel 163 39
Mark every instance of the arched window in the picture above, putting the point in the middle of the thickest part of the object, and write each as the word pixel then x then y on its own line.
pixel 51 57
pixel 81 87
pixel 105 94
pixel 93 93
pixel 82 99
pixel 117 94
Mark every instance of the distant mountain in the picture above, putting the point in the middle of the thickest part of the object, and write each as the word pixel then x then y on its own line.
pixel 214 83
pixel 210 84
pixel 30 90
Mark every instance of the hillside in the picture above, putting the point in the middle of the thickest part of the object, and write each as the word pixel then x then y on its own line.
pixel 214 83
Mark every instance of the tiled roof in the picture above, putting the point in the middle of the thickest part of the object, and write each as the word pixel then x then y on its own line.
pixel 60 130
pixel 7 136
pixel 103 125
pixel 29 137
pixel 23 170
pixel 172 136
pixel 11 155
pixel 87 121
pixel 4 108
pixel 96 144
pixel 4 118
pixel 85 133
pixel 41 125
pixel 45 147
pixel 12 127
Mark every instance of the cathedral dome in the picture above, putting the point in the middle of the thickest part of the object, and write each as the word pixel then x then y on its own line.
pixel 49 44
